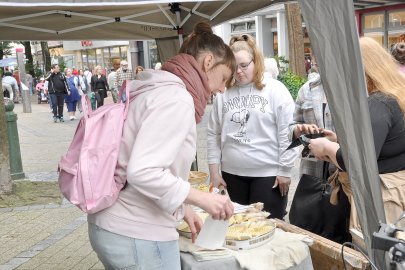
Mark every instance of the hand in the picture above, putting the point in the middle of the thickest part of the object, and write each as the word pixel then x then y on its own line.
pixel 306 129
pixel 194 222
pixel 218 206
pixel 283 183
pixel 68 93
pixel 330 135
pixel 216 180
pixel 322 148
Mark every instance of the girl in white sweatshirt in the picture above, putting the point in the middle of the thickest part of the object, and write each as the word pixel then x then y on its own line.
pixel 248 134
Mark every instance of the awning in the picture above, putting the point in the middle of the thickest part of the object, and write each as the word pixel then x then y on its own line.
pixel 6 62
pixel 114 20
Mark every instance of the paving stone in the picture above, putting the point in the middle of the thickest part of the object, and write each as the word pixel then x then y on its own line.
pixel 28 254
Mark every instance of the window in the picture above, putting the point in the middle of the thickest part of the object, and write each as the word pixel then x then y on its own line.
pixel 123 52
pixel 153 54
pixel 396 19
pixel 374 21
pixel 238 27
pixel 99 58
pixel 377 36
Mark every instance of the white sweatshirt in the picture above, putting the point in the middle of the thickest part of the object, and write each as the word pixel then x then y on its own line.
pixel 248 131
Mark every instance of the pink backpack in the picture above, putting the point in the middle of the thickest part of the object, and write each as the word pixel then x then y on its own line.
pixel 86 171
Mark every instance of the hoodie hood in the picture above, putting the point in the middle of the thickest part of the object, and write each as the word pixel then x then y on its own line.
pixel 150 80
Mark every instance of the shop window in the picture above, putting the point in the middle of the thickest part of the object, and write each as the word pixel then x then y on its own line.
pixel 238 27
pixel 99 58
pixel 251 26
pixel 153 53
pixel 377 36
pixel 374 21
pixel 396 19
pixel 91 58
pixel 123 52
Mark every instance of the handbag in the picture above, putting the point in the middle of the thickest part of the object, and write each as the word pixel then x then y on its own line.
pixel 311 208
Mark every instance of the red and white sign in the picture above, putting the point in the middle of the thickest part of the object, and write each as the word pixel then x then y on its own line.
pixel 86 43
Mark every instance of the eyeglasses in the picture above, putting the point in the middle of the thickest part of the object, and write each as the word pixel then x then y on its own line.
pixel 244 66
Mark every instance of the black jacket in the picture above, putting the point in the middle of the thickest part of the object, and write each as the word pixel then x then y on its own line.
pixel 57 83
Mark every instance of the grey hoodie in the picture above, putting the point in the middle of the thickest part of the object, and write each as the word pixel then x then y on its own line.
pixel 157 149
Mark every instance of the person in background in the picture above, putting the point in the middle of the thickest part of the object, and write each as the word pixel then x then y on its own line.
pixel 398 52
pixel 386 102
pixel 138 70
pixel 10 86
pixel 111 79
pixel 57 88
pixel 99 86
pixel 47 93
pixel 139 230
pixel 17 94
pixel 158 66
pixel 248 134
pixel 74 96
pixel 123 74
pixel 270 68
pixel 40 88
pixel 79 86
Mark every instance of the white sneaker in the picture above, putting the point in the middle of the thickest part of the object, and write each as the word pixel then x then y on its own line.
pixel 72 118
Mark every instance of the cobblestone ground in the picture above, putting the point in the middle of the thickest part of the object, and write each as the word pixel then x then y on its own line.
pixel 55 236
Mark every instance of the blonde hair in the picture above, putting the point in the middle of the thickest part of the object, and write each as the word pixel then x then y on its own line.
pixel 248 43
pixel 382 72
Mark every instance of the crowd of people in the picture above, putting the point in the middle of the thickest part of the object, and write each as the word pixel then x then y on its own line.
pixel 68 86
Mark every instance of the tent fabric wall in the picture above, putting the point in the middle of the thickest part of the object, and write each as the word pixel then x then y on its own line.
pixel 335 42
pixel 167 48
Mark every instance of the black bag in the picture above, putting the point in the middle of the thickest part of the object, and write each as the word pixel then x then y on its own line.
pixel 311 208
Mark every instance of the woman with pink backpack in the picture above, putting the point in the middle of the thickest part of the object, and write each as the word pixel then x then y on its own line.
pixel 158 146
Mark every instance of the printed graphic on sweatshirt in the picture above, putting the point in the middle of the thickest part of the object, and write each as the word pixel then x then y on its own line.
pixel 240 106
pixel 241 118
pixel 245 102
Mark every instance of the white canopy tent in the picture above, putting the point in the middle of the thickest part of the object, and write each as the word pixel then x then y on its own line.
pixel 333 33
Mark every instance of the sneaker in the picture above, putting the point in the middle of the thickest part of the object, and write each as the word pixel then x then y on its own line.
pixel 55 119
pixel 61 120
pixel 72 118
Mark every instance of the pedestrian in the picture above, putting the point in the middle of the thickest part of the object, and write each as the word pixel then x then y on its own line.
pixel 82 87
pixel 99 86
pixel 10 86
pixel 30 82
pixel 123 74
pixel 57 88
pixel 74 96
pixel 158 146
pixel 113 90
pixel 248 134
pixel 138 70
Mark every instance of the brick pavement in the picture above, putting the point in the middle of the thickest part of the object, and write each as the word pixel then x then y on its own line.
pixel 55 236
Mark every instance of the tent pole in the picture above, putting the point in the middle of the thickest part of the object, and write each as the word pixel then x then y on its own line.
pixel 179 30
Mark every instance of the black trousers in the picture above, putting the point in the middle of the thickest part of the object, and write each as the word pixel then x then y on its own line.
pixel 246 190
pixel 100 95
pixel 57 104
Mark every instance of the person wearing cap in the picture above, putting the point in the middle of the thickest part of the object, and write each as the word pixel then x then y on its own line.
pixel 123 74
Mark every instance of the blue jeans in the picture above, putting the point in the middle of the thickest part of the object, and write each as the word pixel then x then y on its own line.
pixel 121 252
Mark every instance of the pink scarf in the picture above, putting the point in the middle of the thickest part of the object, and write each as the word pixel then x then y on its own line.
pixel 189 71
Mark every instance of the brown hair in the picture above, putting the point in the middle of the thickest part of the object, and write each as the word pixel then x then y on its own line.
pixel 203 40
pixel 382 72
pixel 248 43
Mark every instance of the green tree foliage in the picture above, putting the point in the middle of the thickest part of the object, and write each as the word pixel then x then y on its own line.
pixel 5 48
pixel 292 81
